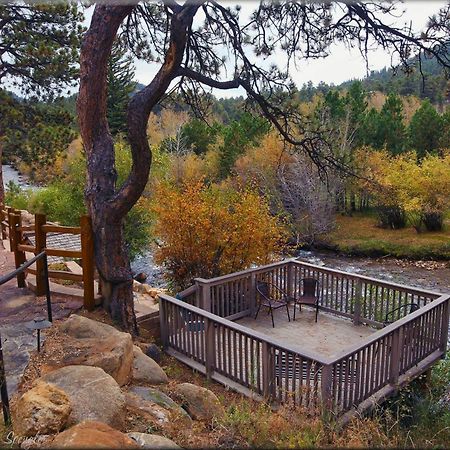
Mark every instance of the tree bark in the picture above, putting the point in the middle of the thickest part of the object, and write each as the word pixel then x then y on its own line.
pixel 107 205
pixel 2 187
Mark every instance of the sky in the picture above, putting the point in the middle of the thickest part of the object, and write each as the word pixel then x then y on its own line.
pixel 342 64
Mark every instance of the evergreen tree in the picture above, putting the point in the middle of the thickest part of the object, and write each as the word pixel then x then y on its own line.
pixel 199 135
pixel 120 86
pixel 425 129
pixel 357 106
pixel 237 137
pixel 444 140
pixel 390 129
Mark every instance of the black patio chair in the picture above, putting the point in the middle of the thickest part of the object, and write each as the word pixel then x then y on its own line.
pixel 271 297
pixel 390 315
pixel 309 294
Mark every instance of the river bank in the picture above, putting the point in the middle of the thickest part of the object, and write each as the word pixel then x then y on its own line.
pixel 10 174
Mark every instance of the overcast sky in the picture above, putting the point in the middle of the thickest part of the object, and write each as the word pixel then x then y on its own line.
pixel 343 64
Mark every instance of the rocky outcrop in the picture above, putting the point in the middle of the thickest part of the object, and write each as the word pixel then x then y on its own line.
pixel 153 395
pixel 90 343
pixel 43 409
pixel 146 370
pixel 152 441
pixel 93 394
pixel 92 434
pixel 200 403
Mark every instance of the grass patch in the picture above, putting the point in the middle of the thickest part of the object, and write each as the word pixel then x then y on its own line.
pixel 359 235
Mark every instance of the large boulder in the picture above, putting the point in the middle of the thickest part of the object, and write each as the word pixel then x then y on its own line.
pixel 152 441
pixel 44 409
pixel 146 370
pixel 92 434
pixel 90 343
pixel 200 403
pixel 93 394
pixel 153 395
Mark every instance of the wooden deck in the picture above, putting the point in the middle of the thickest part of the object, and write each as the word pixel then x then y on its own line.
pixel 329 336
pixel 345 363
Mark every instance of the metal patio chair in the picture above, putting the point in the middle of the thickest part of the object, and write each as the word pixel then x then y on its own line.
pixel 309 294
pixel 271 297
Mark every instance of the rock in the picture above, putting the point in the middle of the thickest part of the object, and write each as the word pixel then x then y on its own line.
pixel 153 352
pixel 149 410
pixel 154 395
pixel 146 370
pixel 44 409
pixel 93 394
pixel 152 441
pixel 141 277
pixel 39 441
pixel 200 403
pixel 90 343
pixel 92 434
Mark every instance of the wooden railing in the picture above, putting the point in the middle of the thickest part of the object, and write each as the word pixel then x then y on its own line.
pixel 12 228
pixel 203 335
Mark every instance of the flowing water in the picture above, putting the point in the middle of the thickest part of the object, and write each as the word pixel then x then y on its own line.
pixel 431 275
pixel 11 174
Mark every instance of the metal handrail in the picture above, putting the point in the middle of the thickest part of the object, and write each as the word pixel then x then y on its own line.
pixel 4 279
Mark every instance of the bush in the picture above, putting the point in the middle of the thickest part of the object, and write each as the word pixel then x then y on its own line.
pixel 208 231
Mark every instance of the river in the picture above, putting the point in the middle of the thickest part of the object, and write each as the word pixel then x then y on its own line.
pixel 11 174
pixel 431 275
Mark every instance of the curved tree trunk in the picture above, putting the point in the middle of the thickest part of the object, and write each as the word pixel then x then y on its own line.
pixel 107 205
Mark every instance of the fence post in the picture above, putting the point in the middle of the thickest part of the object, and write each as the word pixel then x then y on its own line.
pixel 9 212
pixel 163 323
pixel 210 348
pixel 357 299
pixel 16 239
pixel 397 343
pixel 41 242
pixel 2 220
pixel 87 260
pixel 326 386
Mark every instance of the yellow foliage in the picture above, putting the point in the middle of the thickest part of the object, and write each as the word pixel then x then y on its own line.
pixel 417 188
pixel 207 231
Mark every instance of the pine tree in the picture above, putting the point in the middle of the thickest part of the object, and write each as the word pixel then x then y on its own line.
pixel 425 129
pixel 120 86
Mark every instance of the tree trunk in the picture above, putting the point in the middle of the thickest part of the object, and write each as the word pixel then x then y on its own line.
pixel 2 187
pixel 107 205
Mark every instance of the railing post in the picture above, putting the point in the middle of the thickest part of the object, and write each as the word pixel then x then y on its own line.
pixel 445 321
pixel 290 280
pixel 252 293
pixel 267 370
pixel 206 296
pixel 87 259
pixel 210 348
pixel 326 386
pixel 396 352
pixel 357 303
pixel 19 256
pixel 163 323
pixel 41 242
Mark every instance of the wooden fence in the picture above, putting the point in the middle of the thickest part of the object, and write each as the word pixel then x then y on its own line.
pixel 20 243
pixel 198 329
